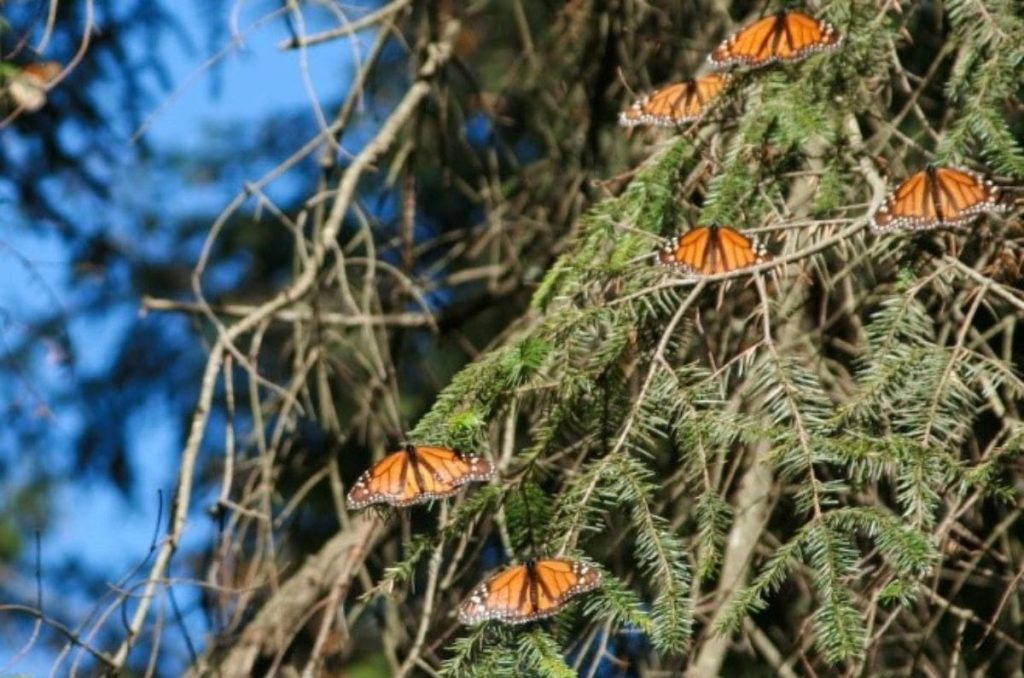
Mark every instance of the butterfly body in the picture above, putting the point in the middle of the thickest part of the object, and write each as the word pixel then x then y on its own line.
pixel 711 250
pixel 786 37
pixel 417 474
pixel 935 197
pixel 525 593
pixel 674 104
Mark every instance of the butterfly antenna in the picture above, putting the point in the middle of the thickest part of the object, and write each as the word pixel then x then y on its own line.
pixel 699 326
pixel 529 520
pixel 642 257
pixel 625 83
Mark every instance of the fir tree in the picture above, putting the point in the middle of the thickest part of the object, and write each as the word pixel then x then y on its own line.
pixel 861 378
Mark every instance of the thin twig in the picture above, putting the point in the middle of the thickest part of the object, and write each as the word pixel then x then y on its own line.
pixel 370 19
pixel 403 112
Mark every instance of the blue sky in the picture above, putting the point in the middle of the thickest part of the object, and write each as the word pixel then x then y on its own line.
pixel 254 79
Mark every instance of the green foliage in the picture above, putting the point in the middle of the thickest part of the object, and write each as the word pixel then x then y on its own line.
pixel 985 77
pixel 601 251
pixel 620 606
pixel 661 556
pixel 866 374
pixel 482 501
pixel 526 508
pixel 827 544
pixel 532 653
pixel 713 518
pixel 839 628
pixel 753 598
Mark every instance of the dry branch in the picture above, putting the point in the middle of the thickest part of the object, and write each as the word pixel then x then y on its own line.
pixel 271 631
pixel 439 54
pixel 290 315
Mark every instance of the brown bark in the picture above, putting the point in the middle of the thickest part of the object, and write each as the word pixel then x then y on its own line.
pixel 271 631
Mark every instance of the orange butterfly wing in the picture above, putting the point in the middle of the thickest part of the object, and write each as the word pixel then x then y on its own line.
pixel 711 250
pixel 962 195
pixel 802 36
pixel 689 251
pixel 935 197
pixel 389 481
pixel 443 471
pixel 411 477
pixel 524 593
pixel 736 250
pixel 785 37
pixel 750 45
pixel 909 205
pixel 558 581
pixel 682 102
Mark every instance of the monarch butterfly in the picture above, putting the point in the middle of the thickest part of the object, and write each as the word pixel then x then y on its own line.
pixel 710 250
pixel 416 474
pixel 523 593
pixel 785 37
pixel 27 87
pixel 682 102
pixel 934 197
